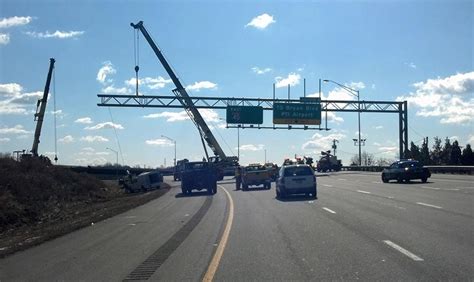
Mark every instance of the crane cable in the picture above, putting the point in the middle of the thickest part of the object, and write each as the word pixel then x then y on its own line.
pixel 136 54
pixel 55 117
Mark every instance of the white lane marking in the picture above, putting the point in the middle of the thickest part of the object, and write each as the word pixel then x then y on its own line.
pixel 390 197
pixel 365 192
pixel 212 268
pixel 376 182
pixel 432 188
pixel 428 205
pixel 452 189
pixel 329 210
pixel 341 179
pixel 327 185
pixel 403 251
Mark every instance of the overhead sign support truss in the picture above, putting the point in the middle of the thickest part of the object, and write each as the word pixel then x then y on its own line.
pixel 149 101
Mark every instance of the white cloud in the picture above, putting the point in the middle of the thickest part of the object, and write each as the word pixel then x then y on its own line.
pixel 4 139
pixel 13 101
pixel 4 38
pixel 56 34
pixel 88 149
pixel 202 85
pixel 84 120
pixel 470 139
pixel 379 127
pixel 450 98
pixel 89 161
pixel 106 69
pixel 14 21
pixel 159 142
pixel 320 142
pixel 292 79
pixel 388 149
pixel 332 117
pixel 170 116
pixel 251 147
pixel 17 129
pixel 92 139
pixel 152 83
pixel 105 125
pixel 411 65
pixel 119 91
pixel 377 144
pixel 208 115
pixel 66 139
pixel 258 70
pixel 262 21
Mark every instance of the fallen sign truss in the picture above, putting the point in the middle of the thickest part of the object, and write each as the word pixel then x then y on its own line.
pixel 151 101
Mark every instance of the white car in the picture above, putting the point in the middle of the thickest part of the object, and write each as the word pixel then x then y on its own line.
pixel 296 179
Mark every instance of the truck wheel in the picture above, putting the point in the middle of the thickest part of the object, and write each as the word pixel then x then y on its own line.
pixel 424 179
pixel 278 195
pixel 384 179
pixel 184 191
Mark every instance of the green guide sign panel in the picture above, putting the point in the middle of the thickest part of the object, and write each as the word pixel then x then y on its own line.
pixel 297 113
pixel 244 114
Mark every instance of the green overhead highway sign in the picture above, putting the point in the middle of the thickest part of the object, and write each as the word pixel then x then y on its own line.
pixel 297 113
pixel 244 114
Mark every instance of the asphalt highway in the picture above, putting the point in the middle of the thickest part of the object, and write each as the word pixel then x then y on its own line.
pixel 358 229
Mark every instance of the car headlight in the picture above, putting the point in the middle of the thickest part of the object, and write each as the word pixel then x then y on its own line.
pixel 406 169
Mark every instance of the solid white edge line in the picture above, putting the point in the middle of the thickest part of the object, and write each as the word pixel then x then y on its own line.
pixel 403 251
pixel 365 192
pixel 428 205
pixel 214 264
pixel 329 210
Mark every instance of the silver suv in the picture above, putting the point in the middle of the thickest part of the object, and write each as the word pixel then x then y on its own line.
pixel 296 179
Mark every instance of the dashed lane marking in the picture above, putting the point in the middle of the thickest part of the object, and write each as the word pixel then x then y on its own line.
pixel 428 205
pixel 343 179
pixel 327 185
pixel 403 251
pixel 364 192
pixel 212 268
pixel 329 210
pixel 432 188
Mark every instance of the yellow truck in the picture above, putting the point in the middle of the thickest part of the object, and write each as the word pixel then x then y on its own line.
pixel 256 175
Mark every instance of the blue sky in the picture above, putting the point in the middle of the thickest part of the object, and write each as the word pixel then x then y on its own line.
pixel 420 51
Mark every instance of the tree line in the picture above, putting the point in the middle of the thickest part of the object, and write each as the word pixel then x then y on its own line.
pixel 447 154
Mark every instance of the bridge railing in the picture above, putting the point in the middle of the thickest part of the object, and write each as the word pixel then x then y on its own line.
pixel 455 169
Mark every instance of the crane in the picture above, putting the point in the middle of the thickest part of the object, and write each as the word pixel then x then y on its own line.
pixel 185 100
pixel 41 105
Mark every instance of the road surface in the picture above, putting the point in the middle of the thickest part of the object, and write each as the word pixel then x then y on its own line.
pixel 358 229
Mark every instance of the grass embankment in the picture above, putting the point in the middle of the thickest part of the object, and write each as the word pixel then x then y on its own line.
pixel 39 202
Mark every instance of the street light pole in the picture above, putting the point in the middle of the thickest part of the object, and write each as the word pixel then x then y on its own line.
pixel 174 142
pixel 353 92
pixel 116 161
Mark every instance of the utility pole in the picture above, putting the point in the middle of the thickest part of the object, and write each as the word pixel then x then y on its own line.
pixel 334 146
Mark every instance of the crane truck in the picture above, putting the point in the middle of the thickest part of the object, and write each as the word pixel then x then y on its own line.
pixel 328 162
pixel 39 116
pixel 220 159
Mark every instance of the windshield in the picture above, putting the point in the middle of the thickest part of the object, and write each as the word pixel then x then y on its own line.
pixel 298 171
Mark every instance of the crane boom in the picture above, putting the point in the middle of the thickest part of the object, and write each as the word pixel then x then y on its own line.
pixel 184 98
pixel 39 115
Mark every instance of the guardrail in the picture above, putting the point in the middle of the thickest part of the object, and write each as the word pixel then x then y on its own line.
pixel 111 172
pixel 454 169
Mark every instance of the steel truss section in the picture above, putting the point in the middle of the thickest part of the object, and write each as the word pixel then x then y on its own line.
pixel 151 101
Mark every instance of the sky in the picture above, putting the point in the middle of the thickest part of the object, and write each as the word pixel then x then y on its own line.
pixel 415 51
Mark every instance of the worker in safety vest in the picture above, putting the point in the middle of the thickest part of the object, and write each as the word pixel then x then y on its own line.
pixel 238 177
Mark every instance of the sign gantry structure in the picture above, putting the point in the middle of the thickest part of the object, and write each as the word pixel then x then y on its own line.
pixel 294 113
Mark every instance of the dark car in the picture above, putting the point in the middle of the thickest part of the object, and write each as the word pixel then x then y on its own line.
pixel 405 170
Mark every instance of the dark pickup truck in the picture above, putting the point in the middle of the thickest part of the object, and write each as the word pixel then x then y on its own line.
pixel 199 176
